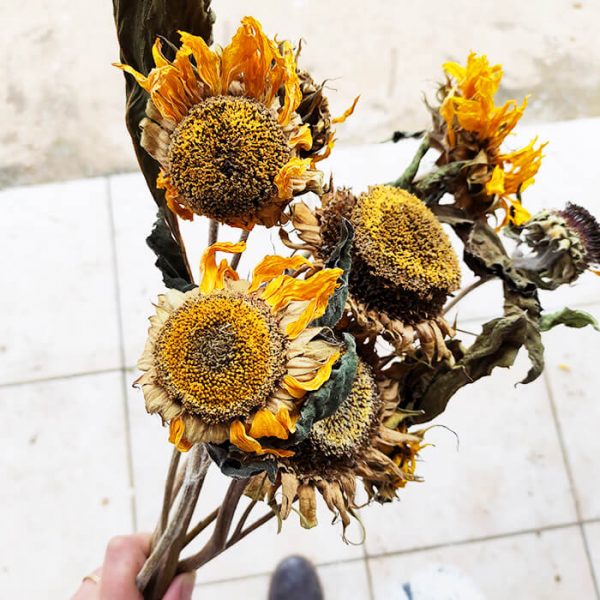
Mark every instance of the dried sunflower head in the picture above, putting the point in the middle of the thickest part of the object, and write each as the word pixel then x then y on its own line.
pixel 562 245
pixel 237 131
pixel 403 264
pixel 233 359
pixel 364 440
pixel 469 126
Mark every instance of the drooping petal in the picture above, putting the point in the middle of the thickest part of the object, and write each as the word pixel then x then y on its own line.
pixel 293 176
pixel 346 113
pixel 298 389
pixel 239 438
pixel 284 289
pixel 163 182
pixel 212 276
pixel 273 265
pixel 266 424
pixel 177 435
pixel 302 138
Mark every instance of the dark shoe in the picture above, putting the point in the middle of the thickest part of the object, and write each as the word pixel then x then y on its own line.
pixel 295 578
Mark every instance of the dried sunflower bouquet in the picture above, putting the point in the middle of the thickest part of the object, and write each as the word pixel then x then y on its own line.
pixel 316 374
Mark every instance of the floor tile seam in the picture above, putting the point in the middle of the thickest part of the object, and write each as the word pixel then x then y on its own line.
pixel 588 554
pixel 124 384
pixel 269 573
pixel 563 446
pixel 475 540
pixel 65 377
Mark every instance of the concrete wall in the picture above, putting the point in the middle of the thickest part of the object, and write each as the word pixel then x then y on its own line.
pixel 62 102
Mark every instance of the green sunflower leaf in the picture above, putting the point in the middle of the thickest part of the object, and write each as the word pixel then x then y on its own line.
pixel 238 465
pixel 428 389
pixel 169 258
pixel 340 258
pixel 485 255
pixel 325 401
pixel 568 317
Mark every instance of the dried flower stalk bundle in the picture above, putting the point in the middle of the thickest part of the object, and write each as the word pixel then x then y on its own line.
pixel 316 374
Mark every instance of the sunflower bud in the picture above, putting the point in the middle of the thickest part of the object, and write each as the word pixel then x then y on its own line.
pixel 562 245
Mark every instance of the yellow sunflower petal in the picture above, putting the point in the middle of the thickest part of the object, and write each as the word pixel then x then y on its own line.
pixel 302 138
pixel 213 275
pixel 298 389
pixel 257 58
pixel 495 186
pixel 273 265
pixel 291 85
pixel 328 148
pixel 290 178
pixel 282 290
pixel 265 424
pixel 177 435
pixel 163 182
pixel 346 113
pixel 142 80
pixel 239 438
pixel 157 55
pixel 518 215
pixel 208 63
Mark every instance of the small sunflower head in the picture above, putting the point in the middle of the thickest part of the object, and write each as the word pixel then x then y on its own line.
pixel 404 264
pixel 237 131
pixel 470 127
pixel 352 444
pixel 233 359
pixel 562 245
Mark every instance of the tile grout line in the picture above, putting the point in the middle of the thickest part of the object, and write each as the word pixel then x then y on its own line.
pixel 416 549
pixel 124 386
pixel 487 538
pixel 52 378
pixel 563 448
pixel 368 571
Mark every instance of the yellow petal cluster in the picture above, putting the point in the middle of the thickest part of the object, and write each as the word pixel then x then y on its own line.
pixel 470 106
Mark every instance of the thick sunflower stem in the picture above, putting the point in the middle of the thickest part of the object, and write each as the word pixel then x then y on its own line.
pixel 405 180
pixel 235 261
pixel 218 540
pixel 213 232
pixel 169 496
pixel 160 568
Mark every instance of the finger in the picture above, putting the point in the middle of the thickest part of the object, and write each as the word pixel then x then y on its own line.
pixel 89 589
pixel 181 587
pixel 125 556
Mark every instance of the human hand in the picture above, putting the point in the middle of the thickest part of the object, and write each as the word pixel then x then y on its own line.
pixel 115 579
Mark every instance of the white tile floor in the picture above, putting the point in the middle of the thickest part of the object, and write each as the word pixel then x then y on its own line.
pixel 515 506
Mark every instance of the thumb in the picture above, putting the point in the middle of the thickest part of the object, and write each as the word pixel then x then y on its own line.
pixel 181 587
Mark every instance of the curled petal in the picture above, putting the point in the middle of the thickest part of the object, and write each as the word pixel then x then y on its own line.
pixel 271 266
pixel 163 182
pixel 302 138
pixel 266 424
pixel 298 389
pixel 346 113
pixel 177 435
pixel 238 437
pixel 213 277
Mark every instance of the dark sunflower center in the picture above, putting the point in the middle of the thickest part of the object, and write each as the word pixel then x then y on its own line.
pixel 346 433
pixel 221 355
pixel 224 157
pixel 404 264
